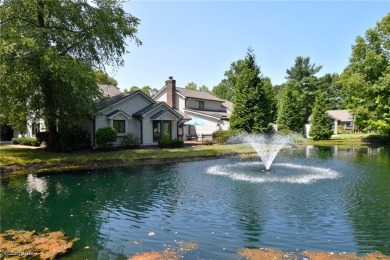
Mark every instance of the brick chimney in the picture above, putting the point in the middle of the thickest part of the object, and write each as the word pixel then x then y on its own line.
pixel 171 89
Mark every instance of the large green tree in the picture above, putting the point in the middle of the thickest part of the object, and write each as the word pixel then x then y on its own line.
pixel 103 78
pixel 366 80
pixel 290 111
pixel 225 89
pixel 321 122
pixel 49 50
pixel 254 101
pixel 302 78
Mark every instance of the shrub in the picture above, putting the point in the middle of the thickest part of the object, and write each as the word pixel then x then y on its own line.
pixel 130 140
pixel 223 135
pixel 208 142
pixel 106 136
pixel 285 131
pixel 42 137
pixel 175 143
pixel 30 141
pixel 74 138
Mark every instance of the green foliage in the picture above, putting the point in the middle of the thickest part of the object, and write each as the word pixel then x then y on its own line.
pixel 290 114
pixel 301 77
pixel 191 86
pixel 222 136
pixel 106 136
pixel 48 50
pixel 254 101
pixel 321 122
pixel 73 138
pixel 366 80
pixel 42 137
pixel 225 89
pixel 208 142
pixel 130 140
pixel 103 78
pixel 30 141
pixel 175 143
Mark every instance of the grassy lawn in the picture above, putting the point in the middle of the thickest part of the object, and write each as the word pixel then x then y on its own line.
pixel 27 160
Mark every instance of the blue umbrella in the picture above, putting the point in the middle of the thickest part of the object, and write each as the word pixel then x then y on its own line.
pixel 195 121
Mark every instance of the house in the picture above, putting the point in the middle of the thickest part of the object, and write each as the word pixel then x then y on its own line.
pixel 134 112
pixel 340 117
pixel 211 111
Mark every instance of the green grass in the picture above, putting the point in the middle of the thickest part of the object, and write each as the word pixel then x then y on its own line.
pixel 25 160
pixel 29 160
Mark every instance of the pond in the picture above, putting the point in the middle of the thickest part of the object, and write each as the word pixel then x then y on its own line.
pixel 314 198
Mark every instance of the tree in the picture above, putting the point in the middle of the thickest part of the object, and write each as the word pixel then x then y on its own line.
pixel 366 80
pixel 204 88
pixel 48 52
pixel 290 111
pixel 302 78
pixel 225 89
pixel 254 107
pixel 321 122
pixel 103 78
pixel 191 86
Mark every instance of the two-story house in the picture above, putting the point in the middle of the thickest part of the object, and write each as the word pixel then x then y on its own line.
pixel 212 112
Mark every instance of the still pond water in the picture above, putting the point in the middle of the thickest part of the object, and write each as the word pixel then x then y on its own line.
pixel 315 198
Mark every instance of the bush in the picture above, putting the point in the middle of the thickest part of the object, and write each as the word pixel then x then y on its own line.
pixel 130 140
pixel 208 142
pixel 106 136
pixel 73 139
pixel 30 141
pixel 42 137
pixel 175 143
pixel 285 131
pixel 223 135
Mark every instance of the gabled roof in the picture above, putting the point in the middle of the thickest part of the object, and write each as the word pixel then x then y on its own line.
pixel 197 94
pixel 228 105
pixel 340 115
pixel 151 107
pixel 115 112
pixel 109 90
pixel 111 100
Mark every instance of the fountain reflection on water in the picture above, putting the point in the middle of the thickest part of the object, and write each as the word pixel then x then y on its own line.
pixel 267 146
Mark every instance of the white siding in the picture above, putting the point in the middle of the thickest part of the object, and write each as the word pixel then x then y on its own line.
pixel 147 126
pixel 208 104
pixel 129 106
pixel 209 126
pixel 162 96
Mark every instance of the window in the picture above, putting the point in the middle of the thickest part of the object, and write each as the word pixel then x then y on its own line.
pixel 119 126
pixel 199 104
pixel 156 131
pixel 162 130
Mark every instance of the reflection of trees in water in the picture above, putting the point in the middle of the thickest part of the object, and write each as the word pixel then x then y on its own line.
pixel 369 200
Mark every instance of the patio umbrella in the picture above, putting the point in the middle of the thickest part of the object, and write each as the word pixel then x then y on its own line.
pixel 195 121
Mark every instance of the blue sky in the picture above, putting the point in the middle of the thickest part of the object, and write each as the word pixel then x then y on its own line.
pixel 196 41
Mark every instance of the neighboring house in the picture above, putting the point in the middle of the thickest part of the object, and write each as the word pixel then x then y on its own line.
pixel 212 112
pixel 340 117
pixel 134 112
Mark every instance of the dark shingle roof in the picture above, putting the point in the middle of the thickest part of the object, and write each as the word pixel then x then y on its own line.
pixel 159 113
pixel 115 112
pixel 109 90
pixel 228 105
pixel 103 103
pixel 197 94
pixel 341 115
pixel 146 109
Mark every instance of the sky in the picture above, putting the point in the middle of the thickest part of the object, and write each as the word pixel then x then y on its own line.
pixel 196 41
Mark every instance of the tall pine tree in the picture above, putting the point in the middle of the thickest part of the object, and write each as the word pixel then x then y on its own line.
pixel 254 101
pixel 321 122
pixel 290 115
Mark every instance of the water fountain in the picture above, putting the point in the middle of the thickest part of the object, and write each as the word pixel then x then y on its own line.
pixel 267 146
